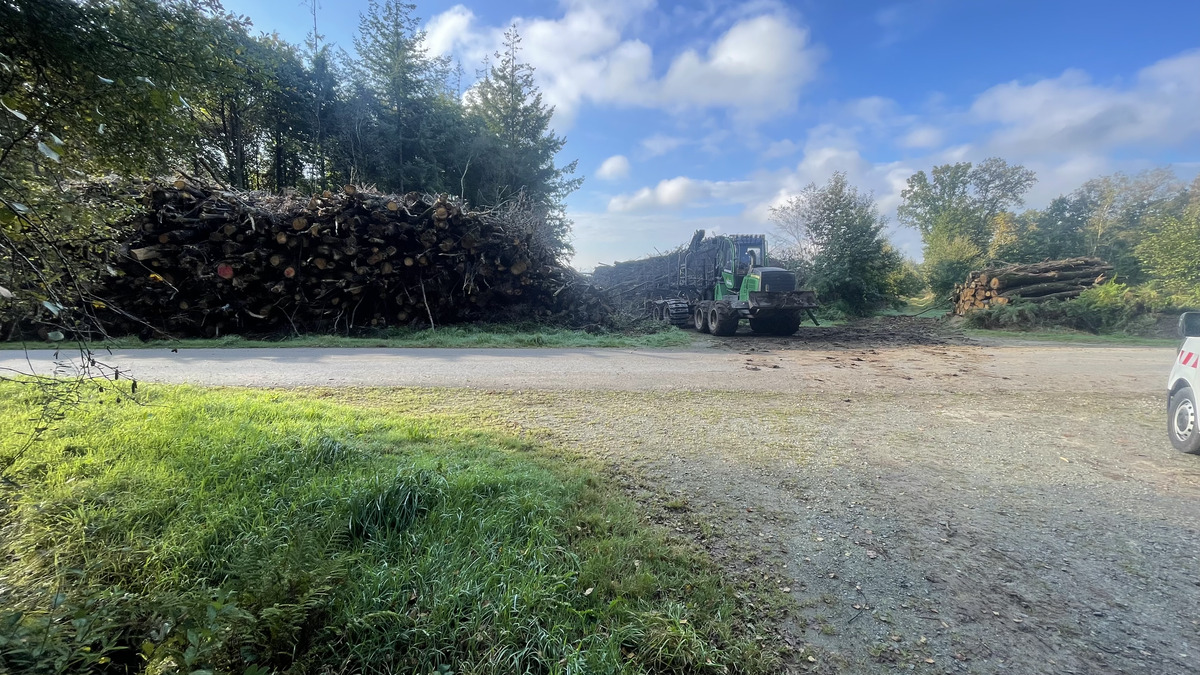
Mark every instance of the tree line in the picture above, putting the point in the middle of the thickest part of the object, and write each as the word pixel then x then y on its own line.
pixel 971 216
pixel 143 87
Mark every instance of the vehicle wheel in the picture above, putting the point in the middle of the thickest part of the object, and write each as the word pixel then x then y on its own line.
pixel 1182 425
pixel 787 325
pixel 655 312
pixel 722 320
pixel 763 325
pixel 700 318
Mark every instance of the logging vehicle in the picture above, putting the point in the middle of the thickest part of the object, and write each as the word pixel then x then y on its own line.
pixel 713 284
pixel 1182 385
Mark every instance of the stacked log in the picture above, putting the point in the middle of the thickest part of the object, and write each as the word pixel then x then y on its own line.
pixel 1036 282
pixel 208 262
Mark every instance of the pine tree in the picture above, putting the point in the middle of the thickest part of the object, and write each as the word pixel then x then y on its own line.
pixel 405 79
pixel 510 104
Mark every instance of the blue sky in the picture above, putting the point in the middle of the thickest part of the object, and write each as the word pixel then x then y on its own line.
pixel 702 114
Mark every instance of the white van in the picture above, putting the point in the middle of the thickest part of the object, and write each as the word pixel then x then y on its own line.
pixel 1182 387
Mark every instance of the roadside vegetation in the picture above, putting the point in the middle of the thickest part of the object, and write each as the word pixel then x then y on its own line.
pixel 647 336
pixel 970 217
pixel 1114 308
pixel 257 532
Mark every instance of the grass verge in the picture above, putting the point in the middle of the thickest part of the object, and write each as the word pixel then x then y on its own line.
pixel 515 336
pixel 259 532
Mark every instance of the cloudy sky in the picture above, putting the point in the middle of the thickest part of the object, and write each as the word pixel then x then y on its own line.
pixel 703 113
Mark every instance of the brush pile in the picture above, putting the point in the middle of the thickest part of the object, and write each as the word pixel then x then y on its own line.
pixel 1037 282
pixel 207 262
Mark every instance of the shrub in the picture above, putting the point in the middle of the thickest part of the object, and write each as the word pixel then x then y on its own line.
pixel 1111 308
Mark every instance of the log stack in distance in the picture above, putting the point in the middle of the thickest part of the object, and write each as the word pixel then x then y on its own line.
pixel 1036 282
pixel 208 262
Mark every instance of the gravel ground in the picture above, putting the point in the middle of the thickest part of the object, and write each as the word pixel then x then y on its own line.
pixel 926 505
pixel 920 501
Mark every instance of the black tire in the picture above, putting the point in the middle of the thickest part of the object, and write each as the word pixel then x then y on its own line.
pixel 722 319
pixel 1183 422
pixel 763 325
pixel 700 318
pixel 787 324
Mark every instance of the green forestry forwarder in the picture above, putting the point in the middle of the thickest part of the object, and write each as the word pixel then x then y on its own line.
pixel 713 284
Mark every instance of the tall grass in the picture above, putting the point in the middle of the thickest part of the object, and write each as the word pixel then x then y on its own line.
pixel 234 531
pixel 644 335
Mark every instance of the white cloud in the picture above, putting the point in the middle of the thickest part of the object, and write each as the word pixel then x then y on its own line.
pixel 782 148
pixel 1071 114
pixel 754 70
pixel 678 193
pixel 922 137
pixel 450 31
pixel 614 168
pixel 660 144
pixel 757 67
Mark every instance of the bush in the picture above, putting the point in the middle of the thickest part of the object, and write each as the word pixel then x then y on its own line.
pixel 1110 308
pixel 947 262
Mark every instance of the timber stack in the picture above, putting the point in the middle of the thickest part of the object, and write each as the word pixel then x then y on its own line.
pixel 659 275
pixel 208 262
pixel 1036 282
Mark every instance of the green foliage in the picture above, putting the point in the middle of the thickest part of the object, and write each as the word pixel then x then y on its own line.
pixel 249 532
pixel 1110 308
pixel 853 265
pixel 1120 211
pixel 1170 251
pixel 947 262
pixel 904 280
pixel 1052 234
pixel 521 158
pixel 961 200
pixel 959 212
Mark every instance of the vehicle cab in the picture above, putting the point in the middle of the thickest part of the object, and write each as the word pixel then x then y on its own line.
pixel 1184 382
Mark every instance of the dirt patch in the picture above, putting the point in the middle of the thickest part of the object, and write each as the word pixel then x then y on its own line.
pixel 1058 536
pixel 877 332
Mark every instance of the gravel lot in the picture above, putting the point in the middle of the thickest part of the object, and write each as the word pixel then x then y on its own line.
pixel 926 503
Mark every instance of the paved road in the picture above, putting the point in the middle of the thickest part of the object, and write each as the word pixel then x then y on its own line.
pixel 957 368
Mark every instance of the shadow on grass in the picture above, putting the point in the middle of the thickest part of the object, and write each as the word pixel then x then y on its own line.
pixel 242 531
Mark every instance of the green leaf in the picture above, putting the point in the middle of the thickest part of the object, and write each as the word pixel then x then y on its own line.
pixel 48 151
pixel 54 308
pixel 145 79
pixel 100 129
pixel 6 294
pixel 105 80
pixel 56 140
pixel 16 113
pixel 57 336
pixel 19 208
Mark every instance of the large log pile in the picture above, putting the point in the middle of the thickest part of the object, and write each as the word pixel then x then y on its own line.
pixel 1037 282
pixel 209 262
pixel 690 266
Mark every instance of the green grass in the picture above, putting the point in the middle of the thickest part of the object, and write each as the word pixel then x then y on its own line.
pixel 1071 337
pixel 447 337
pixel 258 532
pixel 928 305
